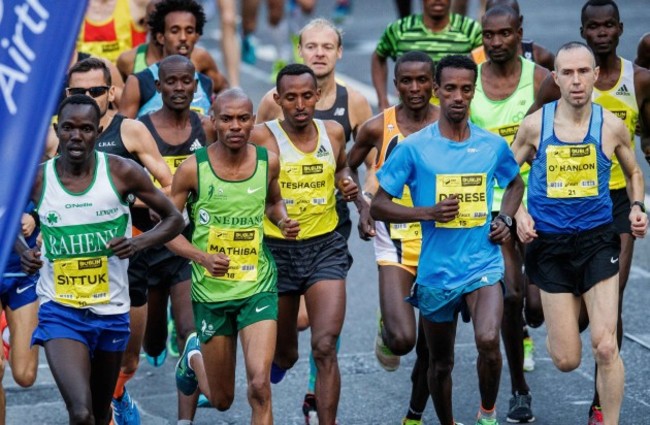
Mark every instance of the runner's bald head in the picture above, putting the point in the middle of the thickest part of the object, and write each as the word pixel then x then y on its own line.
pixel 573 45
pixel 229 95
pixel 173 61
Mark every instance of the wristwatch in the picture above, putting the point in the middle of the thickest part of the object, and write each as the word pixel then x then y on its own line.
pixel 506 219
pixel 640 204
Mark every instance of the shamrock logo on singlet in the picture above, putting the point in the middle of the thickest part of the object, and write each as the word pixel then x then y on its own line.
pixel 52 217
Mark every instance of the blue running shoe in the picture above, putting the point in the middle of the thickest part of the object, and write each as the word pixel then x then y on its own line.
pixel 157 361
pixel 186 381
pixel 248 51
pixel 203 401
pixel 125 411
pixel 277 373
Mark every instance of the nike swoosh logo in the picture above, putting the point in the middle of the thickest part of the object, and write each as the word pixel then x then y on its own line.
pixel 260 309
pixel 251 191
pixel 613 261
pixel 115 341
pixel 23 289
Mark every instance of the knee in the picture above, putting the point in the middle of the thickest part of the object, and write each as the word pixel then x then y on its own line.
pixel 81 416
pixel 286 358
pixel 259 390
pixel 25 378
pixel 534 317
pixel 183 330
pixel 400 344
pixel 229 21
pixel 565 362
pixel 605 351
pixel 441 368
pixel 487 342
pixel 324 348
pixel 222 401
pixel 513 301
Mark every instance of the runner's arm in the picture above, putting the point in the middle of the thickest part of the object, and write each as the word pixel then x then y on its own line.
pixel 379 72
pixel 130 102
pixel 268 109
pixel 276 210
pixel 383 208
pixel 343 178
pixel 139 141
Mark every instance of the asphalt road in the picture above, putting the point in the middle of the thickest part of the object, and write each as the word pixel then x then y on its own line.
pixel 369 394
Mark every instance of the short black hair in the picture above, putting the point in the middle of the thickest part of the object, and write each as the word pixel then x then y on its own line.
pixel 172 59
pixel 598 3
pixel 502 10
pixel 88 65
pixel 513 4
pixel 80 99
pixel 457 62
pixel 294 69
pixel 157 19
pixel 415 56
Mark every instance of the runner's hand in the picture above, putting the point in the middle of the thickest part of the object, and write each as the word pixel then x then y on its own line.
pixel 30 260
pixel 123 247
pixel 639 221
pixel 289 228
pixel 28 224
pixel 499 232
pixel 216 264
pixel 348 189
pixel 366 225
pixel 445 210
pixel 525 227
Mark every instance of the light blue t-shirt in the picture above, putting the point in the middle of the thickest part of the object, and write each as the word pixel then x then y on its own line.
pixel 426 161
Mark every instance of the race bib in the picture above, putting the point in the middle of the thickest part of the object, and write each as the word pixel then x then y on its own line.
pixel 173 162
pixel 241 246
pixel 405 231
pixel 571 171
pixel 471 191
pixel 81 282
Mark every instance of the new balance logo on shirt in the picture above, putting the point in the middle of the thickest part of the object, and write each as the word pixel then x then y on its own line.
pixel 623 91
pixel 339 112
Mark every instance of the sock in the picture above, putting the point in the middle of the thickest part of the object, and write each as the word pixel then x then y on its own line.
pixel 487 413
pixel 184 422
pixel 189 358
pixel 122 379
pixel 277 373
pixel 412 414
pixel 311 388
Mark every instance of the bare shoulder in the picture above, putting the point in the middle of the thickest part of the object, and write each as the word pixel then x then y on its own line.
pixel 131 127
pixel 540 75
pixel 373 129
pixel 642 81
pixel 334 130
pixel 358 102
pixel 203 60
pixel 614 128
pixel 262 136
pixel 530 127
pixel 268 110
pixel 126 61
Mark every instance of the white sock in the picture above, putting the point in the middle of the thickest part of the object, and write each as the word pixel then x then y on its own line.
pixel 189 357
pixel 184 422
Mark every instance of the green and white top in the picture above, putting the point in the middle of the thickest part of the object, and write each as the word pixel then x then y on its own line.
pixel 78 270
pixel 228 218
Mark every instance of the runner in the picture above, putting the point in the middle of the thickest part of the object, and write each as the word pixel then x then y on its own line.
pixel 111 27
pixel 436 31
pixel 463 160
pixel 624 89
pixel 527 48
pixel 81 198
pixel 131 140
pixel 178 132
pixel 397 245
pixel 146 54
pixel 312 165
pixel 575 257
pixel 19 310
pixel 505 89
pixel 178 25
pixel 321 46
pixel 643 51
pixel 234 277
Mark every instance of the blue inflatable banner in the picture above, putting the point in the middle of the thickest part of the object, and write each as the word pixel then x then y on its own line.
pixel 37 38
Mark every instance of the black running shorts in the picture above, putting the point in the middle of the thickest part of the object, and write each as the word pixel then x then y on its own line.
pixel 302 263
pixel 621 211
pixel 573 263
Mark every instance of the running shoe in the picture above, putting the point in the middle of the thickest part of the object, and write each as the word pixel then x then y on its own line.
pixel 203 401
pixel 529 350
pixel 595 416
pixel 125 411
pixel 385 357
pixel 342 11
pixel 277 373
pixel 407 421
pixel 309 409
pixel 4 333
pixel 158 360
pixel 172 343
pixel 486 421
pixel 520 411
pixel 186 380
pixel 248 50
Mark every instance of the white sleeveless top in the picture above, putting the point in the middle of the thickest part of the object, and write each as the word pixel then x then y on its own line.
pixel 78 270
